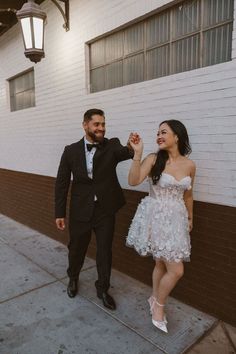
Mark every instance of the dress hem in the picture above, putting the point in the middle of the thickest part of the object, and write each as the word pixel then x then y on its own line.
pixel 161 258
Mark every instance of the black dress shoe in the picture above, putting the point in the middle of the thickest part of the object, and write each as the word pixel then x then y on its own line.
pixel 72 288
pixel 107 300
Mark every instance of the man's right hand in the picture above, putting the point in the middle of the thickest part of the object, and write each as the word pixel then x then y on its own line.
pixel 60 223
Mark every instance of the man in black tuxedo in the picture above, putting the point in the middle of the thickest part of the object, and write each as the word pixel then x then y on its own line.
pixel 96 196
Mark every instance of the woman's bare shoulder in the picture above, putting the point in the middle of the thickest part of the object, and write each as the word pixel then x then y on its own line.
pixel 191 165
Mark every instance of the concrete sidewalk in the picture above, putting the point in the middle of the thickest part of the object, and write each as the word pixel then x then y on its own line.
pixel 37 317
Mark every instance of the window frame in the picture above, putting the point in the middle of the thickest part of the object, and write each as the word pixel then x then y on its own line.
pixel 12 94
pixel 169 9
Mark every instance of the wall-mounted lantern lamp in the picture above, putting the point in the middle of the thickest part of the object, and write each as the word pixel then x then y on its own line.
pixel 32 25
pixel 32 20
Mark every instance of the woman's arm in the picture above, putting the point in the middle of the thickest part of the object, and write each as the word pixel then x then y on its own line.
pixel 140 170
pixel 188 197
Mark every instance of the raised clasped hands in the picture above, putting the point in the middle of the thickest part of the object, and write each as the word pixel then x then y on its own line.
pixel 136 142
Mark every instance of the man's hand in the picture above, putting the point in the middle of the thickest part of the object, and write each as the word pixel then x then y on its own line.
pixel 128 142
pixel 133 138
pixel 60 223
pixel 136 143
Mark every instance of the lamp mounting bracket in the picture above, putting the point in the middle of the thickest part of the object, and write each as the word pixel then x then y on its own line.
pixel 65 12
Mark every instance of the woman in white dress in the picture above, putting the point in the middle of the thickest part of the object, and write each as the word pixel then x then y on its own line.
pixel 164 219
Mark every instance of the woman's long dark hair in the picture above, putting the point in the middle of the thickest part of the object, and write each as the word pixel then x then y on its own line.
pixel 162 155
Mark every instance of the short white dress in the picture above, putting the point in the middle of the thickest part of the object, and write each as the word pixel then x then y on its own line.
pixel 160 225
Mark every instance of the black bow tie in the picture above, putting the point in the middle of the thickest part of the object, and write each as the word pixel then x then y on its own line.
pixel 90 146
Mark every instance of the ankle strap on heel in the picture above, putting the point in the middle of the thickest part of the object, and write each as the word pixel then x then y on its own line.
pixel 161 305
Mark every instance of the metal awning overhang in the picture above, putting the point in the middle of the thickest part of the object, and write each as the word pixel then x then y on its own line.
pixel 8 17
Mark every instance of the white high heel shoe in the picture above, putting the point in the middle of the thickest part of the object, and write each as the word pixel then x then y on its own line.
pixel 151 300
pixel 159 324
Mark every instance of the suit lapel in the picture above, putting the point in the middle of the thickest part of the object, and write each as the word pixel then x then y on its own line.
pixel 81 159
pixel 98 154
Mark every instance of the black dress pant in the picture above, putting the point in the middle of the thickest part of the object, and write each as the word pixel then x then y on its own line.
pixel 80 236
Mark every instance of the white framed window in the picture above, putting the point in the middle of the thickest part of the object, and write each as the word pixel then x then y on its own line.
pixel 22 90
pixel 187 36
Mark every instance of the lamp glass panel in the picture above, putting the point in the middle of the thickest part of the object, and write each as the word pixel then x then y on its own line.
pixel 26 28
pixel 38 32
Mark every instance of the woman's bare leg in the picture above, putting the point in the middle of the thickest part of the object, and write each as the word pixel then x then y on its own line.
pixel 157 274
pixel 167 283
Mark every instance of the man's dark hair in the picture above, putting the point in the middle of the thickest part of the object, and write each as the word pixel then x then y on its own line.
pixel 88 114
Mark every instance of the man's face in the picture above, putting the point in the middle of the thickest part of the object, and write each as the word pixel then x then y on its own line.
pixel 95 128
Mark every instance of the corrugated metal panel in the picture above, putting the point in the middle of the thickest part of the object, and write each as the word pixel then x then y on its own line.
pixel 97 53
pixel 158 62
pixel 133 39
pixel 186 54
pixel 133 69
pixel 217 45
pixel 114 74
pixel 97 79
pixel 216 11
pixel 186 19
pixel 114 47
pixel 158 29
pixel 22 92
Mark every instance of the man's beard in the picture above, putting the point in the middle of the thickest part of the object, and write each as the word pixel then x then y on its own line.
pixel 96 139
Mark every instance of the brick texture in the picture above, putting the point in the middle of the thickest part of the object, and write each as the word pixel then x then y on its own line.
pixel 208 283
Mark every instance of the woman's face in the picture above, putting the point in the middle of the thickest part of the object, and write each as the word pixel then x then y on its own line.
pixel 166 138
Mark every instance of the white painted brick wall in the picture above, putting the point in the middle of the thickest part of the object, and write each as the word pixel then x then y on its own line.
pixel 32 140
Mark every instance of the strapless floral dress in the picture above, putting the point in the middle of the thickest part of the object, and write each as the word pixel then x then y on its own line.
pixel 160 225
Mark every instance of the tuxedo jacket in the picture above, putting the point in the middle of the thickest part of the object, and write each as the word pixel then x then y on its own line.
pixel 104 184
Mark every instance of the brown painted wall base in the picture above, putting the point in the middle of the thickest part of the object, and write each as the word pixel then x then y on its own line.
pixel 208 283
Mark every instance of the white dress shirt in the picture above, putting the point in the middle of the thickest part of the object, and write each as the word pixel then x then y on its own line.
pixel 89 157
